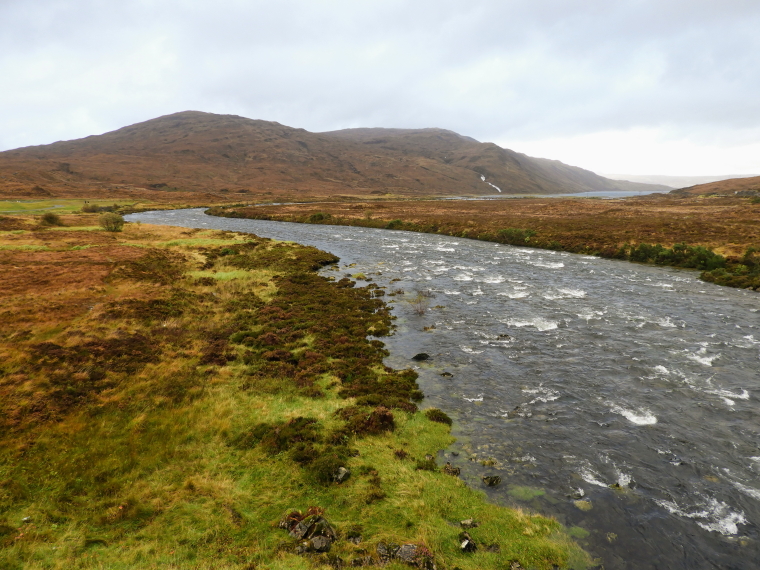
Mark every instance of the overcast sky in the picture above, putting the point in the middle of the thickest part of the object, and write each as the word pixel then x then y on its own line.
pixel 626 86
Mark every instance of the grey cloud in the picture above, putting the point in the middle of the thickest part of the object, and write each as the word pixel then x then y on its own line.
pixel 492 69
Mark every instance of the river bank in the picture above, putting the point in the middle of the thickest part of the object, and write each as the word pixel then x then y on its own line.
pixel 618 397
pixel 169 395
pixel 719 236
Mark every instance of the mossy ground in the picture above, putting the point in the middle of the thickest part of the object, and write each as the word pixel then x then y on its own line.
pixel 140 373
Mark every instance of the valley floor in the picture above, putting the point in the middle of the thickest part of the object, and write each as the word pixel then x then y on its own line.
pixel 173 398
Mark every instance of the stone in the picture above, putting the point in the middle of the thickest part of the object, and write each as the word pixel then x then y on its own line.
pixel 449 469
pixel 364 561
pixel 407 553
pixel 421 356
pixel 429 457
pixel 466 544
pixel 491 480
pixel 447 374
pixel 342 474
pixel 357 539
pixel 469 523
pixel 495 548
pixel 386 552
pixel 320 527
pixel 299 530
pixel 320 544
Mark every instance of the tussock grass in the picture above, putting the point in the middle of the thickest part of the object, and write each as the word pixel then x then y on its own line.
pixel 124 436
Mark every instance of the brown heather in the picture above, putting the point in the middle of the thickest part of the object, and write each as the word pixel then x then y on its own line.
pixel 166 396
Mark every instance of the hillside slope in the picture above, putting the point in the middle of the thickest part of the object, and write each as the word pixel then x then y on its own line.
pixel 204 152
pixel 741 186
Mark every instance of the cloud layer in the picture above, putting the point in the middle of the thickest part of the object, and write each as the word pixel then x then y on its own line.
pixel 576 80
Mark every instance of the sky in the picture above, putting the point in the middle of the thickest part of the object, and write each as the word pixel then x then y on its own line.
pixel 667 87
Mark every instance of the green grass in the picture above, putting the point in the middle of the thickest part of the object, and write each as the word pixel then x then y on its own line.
pixel 59 206
pixel 123 433
pixel 24 247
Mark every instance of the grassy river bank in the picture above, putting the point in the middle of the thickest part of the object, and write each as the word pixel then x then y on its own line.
pixel 720 236
pixel 176 398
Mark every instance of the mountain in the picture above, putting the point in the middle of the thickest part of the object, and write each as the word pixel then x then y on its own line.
pixel 742 186
pixel 674 181
pixel 203 152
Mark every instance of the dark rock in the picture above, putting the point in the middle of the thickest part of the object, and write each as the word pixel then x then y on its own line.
pixel 320 527
pixel 386 551
pixel 407 553
pixel 447 374
pixel 342 475
pixel 449 469
pixel 466 544
pixel 365 561
pixel 303 547
pixel 320 544
pixel 504 336
pixel 299 530
pixel 495 548
pixel 469 523
pixel 491 480
pixel 354 539
pixel 421 356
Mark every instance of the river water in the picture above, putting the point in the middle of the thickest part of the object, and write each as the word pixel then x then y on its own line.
pixel 620 398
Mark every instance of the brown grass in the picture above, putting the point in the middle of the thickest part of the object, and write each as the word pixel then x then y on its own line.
pixel 729 225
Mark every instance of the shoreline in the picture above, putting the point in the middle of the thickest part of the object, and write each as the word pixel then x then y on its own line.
pixel 241 406
pixel 691 230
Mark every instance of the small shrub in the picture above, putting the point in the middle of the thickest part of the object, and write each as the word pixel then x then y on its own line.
pixel 111 222
pixel 426 465
pixel 516 236
pixel 436 415
pixel 318 217
pixel 325 468
pixel 51 219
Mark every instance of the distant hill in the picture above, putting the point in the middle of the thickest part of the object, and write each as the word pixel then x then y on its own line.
pixel 741 186
pixel 674 181
pixel 203 152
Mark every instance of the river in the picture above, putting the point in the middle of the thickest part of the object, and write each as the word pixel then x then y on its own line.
pixel 620 398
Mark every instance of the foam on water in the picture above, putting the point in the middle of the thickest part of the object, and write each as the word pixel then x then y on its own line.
pixel 640 417
pixel 542 394
pixel 463 277
pixel 710 514
pixel 749 491
pixel 539 323
pixel 701 357
pixel 515 294
pixel 478 398
pixel 548 264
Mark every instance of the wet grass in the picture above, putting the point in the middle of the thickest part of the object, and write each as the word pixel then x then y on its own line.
pixel 165 414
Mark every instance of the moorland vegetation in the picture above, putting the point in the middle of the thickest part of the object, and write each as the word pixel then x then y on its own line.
pixel 176 398
pixel 718 236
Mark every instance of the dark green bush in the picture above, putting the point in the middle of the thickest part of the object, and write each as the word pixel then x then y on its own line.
pixel 51 219
pixel 515 236
pixel 426 465
pixel 436 415
pixel 111 222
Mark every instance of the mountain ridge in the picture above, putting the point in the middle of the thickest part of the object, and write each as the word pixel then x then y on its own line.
pixel 195 151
